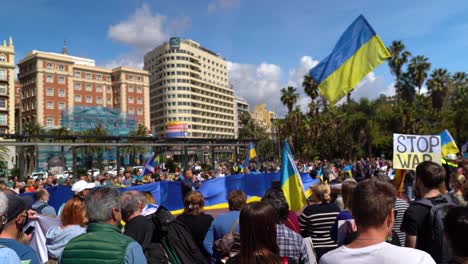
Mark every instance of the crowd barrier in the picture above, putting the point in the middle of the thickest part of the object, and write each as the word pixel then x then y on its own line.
pixel 215 191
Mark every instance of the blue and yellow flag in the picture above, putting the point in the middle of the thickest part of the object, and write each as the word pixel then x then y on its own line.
pixel 448 144
pixel 291 182
pixel 358 51
pixel 250 155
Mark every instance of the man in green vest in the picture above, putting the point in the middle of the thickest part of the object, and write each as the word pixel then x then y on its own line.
pixel 103 242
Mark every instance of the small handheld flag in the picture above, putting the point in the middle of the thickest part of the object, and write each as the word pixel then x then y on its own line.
pixel 291 182
pixel 358 51
pixel 149 165
pixel 250 155
pixel 448 144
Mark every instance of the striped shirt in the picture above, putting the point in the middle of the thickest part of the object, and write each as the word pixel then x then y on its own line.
pixel 400 209
pixel 316 222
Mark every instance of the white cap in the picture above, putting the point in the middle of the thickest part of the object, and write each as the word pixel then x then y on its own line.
pixel 82 185
pixel 451 157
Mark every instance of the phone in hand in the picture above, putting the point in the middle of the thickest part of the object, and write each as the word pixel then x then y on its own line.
pixel 29 230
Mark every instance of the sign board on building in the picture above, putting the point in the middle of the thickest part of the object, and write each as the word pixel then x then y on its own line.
pixel 174 43
pixel 177 129
pixel 410 150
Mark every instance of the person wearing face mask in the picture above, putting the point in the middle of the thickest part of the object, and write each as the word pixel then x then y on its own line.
pixel 13 220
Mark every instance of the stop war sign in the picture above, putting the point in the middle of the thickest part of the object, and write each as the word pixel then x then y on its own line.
pixel 410 150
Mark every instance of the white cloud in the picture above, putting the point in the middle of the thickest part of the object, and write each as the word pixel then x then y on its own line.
pixel 132 60
pixel 144 29
pixel 222 4
pixel 258 84
pixel 371 87
pixel 296 77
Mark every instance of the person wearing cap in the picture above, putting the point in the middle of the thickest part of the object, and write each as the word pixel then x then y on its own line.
pixel 14 217
pixel 82 187
pixel 450 165
pixel 7 255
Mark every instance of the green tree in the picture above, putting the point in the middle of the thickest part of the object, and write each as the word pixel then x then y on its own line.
pixel 31 130
pixel 289 97
pixel 438 86
pixel 399 57
pixel 62 131
pixel 135 151
pixel 418 68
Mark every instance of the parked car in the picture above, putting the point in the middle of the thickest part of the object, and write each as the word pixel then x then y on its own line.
pixel 113 172
pixel 94 172
pixel 64 175
pixel 140 168
pixel 38 174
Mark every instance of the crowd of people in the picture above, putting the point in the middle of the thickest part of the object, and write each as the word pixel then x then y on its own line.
pixel 357 217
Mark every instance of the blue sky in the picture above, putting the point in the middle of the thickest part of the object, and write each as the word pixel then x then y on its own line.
pixel 270 43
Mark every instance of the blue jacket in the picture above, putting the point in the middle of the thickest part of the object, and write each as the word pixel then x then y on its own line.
pixel 219 227
pixel 58 237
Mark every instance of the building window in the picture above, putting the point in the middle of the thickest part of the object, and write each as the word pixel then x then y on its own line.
pixel 139 89
pixel 3 119
pixel 61 80
pixel 61 105
pixel 61 67
pixel 108 78
pixel 50 92
pixel 108 89
pixel 77 74
pixel 78 86
pixel 130 77
pixel 89 88
pixel 138 78
pixel 109 100
pixel 131 89
pixel 98 100
pixel 3 89
pixel 50 105
pixel 98 77
pixel 89 99
pixel 131 100
pixel 88 76
pixel 131 110
pixel 2 58
pixel 78 98
pixel 139 100
pixel 61 93
pixel 50 78
pixel 50 122
pixel 140 111
pixel 3 103
pixel 99 89
pixel 49 66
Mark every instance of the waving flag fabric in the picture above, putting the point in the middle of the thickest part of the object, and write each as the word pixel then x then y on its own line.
pixel 250 155
pixel 448 144
pixel 149 165
pixel 358 51
pixel 291 182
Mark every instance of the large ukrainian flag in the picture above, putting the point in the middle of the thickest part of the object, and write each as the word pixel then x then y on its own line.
pixel 291 182
pixel 358 51
pixel 448 144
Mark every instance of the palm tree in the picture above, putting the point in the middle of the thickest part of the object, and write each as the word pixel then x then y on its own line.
pixel 438 86
pixel 399 58
pixel 310 87
pixel 406 87
pixel 135 151
pixel 31 130
pixel 289 97
pixel 62 131
pixel 418 67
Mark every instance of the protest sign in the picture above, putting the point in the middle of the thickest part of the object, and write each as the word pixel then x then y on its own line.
pixel 410 150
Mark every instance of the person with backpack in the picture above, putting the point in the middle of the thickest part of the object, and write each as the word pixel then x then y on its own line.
pixel 41 206
pixel 423 220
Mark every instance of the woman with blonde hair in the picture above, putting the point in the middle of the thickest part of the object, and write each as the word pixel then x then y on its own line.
pixel 457 181
pixel 318 218
pixel 195 219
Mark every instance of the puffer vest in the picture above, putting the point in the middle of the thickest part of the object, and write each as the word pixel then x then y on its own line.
pixel 102 243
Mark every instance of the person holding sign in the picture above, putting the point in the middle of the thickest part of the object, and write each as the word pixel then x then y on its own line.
pixel 410 150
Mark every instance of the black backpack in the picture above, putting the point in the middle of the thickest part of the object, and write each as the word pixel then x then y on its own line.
pixel 175 238
pixel 439 246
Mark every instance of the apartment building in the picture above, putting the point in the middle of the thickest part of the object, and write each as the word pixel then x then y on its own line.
pixel 240 107
pixel 264 117
pixel 7 101
pixel 189 84
pixel 54 86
